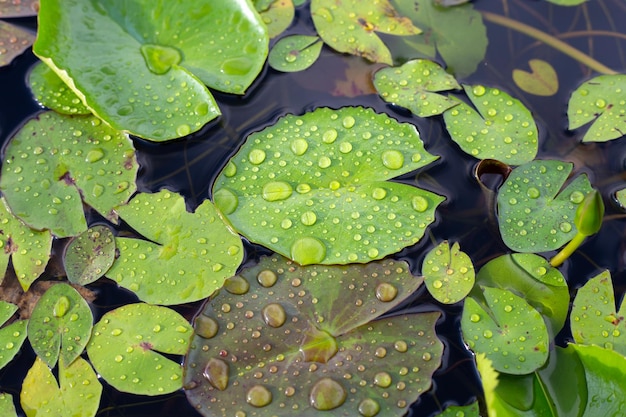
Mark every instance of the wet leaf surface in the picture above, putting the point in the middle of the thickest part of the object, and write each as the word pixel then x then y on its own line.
pixel 470 410
pixel 124 349
pixel 187 257
pixel 13 42
pixel 542 79
pixel 51 92
pixel 280 338
pixel 295 53
pixel 320 192
pixel 277 15
pixel 89 255
pixel 448 273
pixel 12 336
pixel 18 8
pixel 55 162
pixel 7 408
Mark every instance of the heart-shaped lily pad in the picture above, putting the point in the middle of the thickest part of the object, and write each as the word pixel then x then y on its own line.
pixel 142 66
pixel 414 85
pixel 541 81
pixel 57 162
pixel 60 325
pixel 500 128
pixel 7 408
pixel 350 26
pixel 12 336
pixel 314 187
pixel 124 345
pixel 512 333
pixel 281 339
pixel 295 53
pixel 448 273
pixel 600 100
pixel 89 255
pixel 188 256
pixel 536 212
pixel 13 41
pixel 50 90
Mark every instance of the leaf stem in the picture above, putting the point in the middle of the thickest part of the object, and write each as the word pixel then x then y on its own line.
pixel 548 40
pixel 567 250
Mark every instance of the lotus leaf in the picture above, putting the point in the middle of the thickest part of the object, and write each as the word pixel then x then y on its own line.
pixel 414 85
pixel 123 349
pixel 277 15
pixel 280 338
pixel 89 255
pixel 351 25
pixel 601 101
pixel 500 128
pixel 541 81
pixel 7 408
pixel 187 257
pixel 78 390
pixel 55 162
pixel 314 187
pixel 141 65
pixel 295 53
pixel 50 91
pixel 448 273
pixel 12 336
pixel 13 41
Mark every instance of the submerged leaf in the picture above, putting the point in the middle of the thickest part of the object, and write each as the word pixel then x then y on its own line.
pixel 541 81
pixel 280 337
pixel 314 187
pixel 89 255
pixel 12 336
pixel 448 273
pixel 295 53
pixel 50 91
pixel 13 41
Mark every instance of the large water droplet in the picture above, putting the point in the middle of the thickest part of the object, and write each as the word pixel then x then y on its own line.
pixel 226 200
pixel 386 292
pixel 369 408
pixel 206 327
pixel 393 159
pixel 299 146
pixel 308 218
pixel 327 394
pixel 382 379
pixel 256 156
pixel 94 155
pixel 276 191
pixel 237 285
pixel 419 204
pixel 258 396
pixel 266 278
pixel 216 372
pixel 274 315
pixel 61 306
pixel 308 250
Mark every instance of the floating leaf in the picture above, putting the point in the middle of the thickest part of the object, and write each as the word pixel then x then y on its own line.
pixel 13 41
pixel 536 212
pixel 142 66
pixel 448 273
pixel 295 53
pixel 60 324
pixel 7 408
pixel 414 85
pixel 55 161
pixel 314 187
pixel 470 410
pixel 512 333
pixel 277 16
pixel 567 2
pixel 12 336
pixel 540 81
pixel 29 249
pixel 351 25
pixel 50 90
pixel 620 196
pixel 187 257
pixel 89 255
pixel 303 339
pixel 600 100
pixel 79 391
pixel 19 8
pixel 500 128
pixel 124 346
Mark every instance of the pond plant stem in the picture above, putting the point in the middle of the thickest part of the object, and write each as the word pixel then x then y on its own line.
pixel 567 250
pixel 548 40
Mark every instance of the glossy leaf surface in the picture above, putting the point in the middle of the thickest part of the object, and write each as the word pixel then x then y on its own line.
pixel 51 92
pixel 12 336
pixel 23 39
pixel 7 408
pixel 295 53
pixel 470 410
pixel 542 79
pixel 277 15
pixel 448 273
pixel 314 187
pixel 89 255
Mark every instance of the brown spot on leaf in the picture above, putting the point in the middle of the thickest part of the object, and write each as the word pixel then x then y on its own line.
pixel 145 345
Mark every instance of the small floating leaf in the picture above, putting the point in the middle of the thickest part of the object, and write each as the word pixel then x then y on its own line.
pixel 541 81
pixel 414 85
pixel 500 128
pixel 448 273
pixel 277 16
pixel 620 196
pixel 7 408
pixel 469 410
pixel 295 53
pixel 124 345
pixel 12 336
pixel 187 257
pixel 13 41
pixel 89 255
pixel 314 187
pixel 50 91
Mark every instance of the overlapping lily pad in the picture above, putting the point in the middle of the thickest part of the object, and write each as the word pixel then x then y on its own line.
pixel 448 273
pixel 470 410
pixel 187 257
pixel 57 162
pixel 277 15
pixel 295 53
pixel 281 339
pixel 314 187
pixel 89 255
pixel 19 8
pixel 50 90
pixel 14 40
pixel 12 336
pixel 7 409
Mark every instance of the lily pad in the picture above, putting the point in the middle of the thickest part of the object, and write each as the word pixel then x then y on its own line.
pixel 277 15
pixel 56 162
pixel 187 257
pixel 351 26
pixel 601 101
pixel 13 42
pixel 60 325
pixel 542 79
pixel 511 333
pixel 448 273
pixel 500 128
pixel 414 85
pixel 7 408
pixel 50 91
pixel 89 255
pixel 78 390
pixel 142 66
pixel 124 345
pixel 469 410
pixel 12 336
pixel 19 8
pixel 536 211
pixel 281 338
pixel 620 196
pixel 29 249
pixel 295 53
pixel 314 187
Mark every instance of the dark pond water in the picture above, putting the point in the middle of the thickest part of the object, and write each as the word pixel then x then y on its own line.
pixel 190 165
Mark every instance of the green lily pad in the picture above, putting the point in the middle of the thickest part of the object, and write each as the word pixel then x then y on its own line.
pixel 60 325
pixel 567 2
pixel 12 336
pixel 50 91
pixel 89 255
pixel 7 408
pixel 124 345
pixel 78 390
pixel 351 26
pixel 13 42
pixel 414 85
pixel 601 101
pixel 277 15
pixel 542 79
pixel 314 187
pixel 500 128
pixel 620 196
pixel 187 257
pixel 142 66
pixel 448 273
pixel 20 8
pixel 511 333
pixel 469 410
pixel 536 211
pixel 295 53
pixel 29 249
pixel 280 338
pixel 56 162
